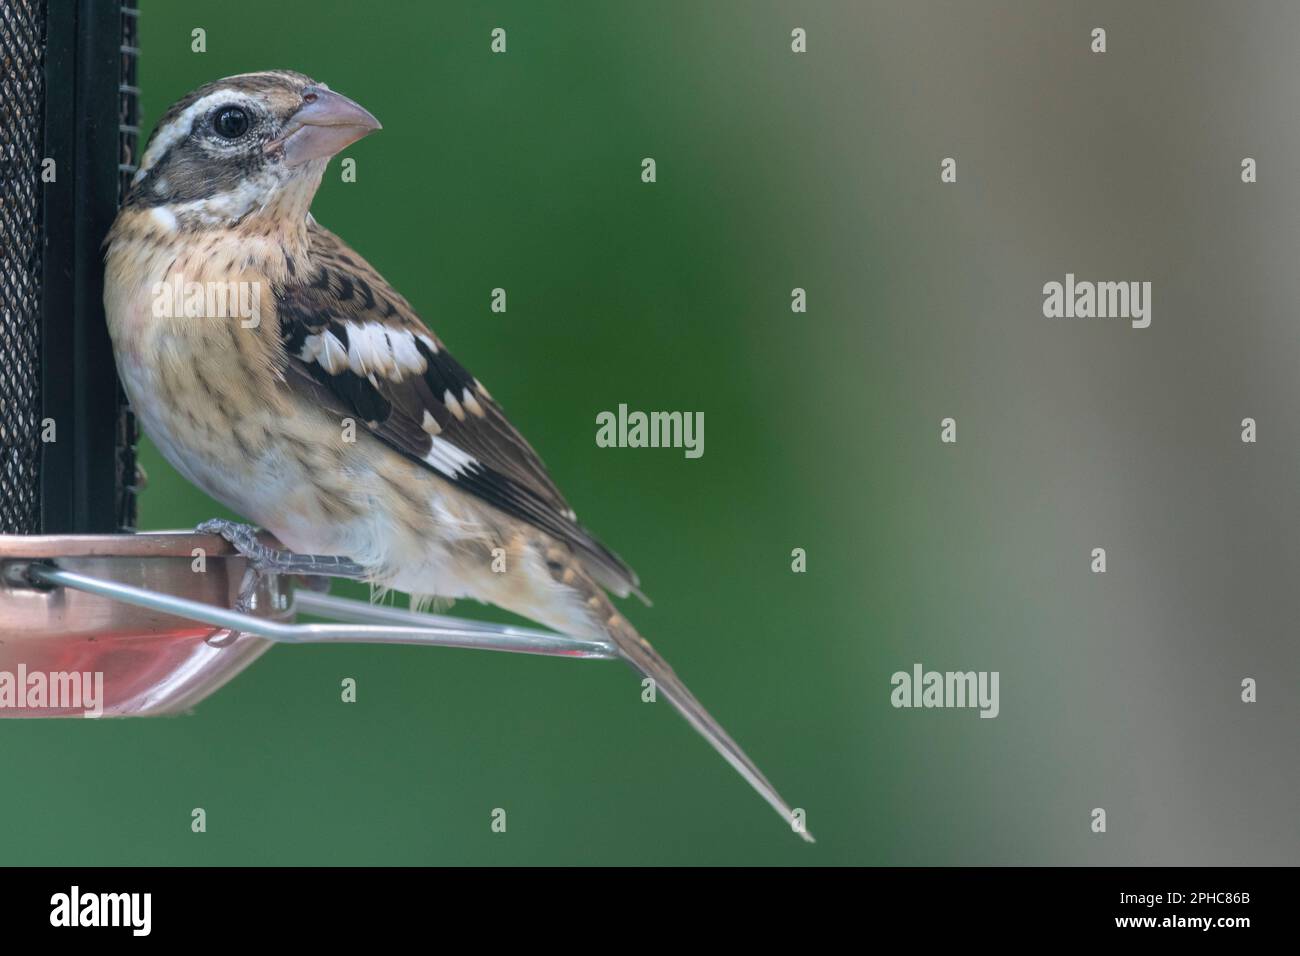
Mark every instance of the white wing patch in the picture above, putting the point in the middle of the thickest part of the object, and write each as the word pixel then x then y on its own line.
pixel 368 349
pixel 406 356
pixel 373 350
pixel 447 458
pixel 326 350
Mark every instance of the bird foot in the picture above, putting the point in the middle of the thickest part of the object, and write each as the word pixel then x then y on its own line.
pixel 264 559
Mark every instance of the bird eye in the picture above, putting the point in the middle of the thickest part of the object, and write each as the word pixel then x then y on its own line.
pixel 230 122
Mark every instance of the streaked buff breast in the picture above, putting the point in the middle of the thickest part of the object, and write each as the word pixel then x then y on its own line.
pixel 207 389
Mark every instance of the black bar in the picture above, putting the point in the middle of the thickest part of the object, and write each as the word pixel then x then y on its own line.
pixel 816 910
pixel 80 472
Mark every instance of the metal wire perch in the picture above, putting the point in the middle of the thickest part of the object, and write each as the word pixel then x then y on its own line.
pixel 388 625
pixel 163 627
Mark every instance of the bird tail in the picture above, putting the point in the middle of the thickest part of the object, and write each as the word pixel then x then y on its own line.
pixel 643 658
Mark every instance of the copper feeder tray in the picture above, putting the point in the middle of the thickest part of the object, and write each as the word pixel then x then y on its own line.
pixel 137 609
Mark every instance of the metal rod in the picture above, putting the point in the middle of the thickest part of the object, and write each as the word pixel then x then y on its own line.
pixel 363 612
pixel 403 627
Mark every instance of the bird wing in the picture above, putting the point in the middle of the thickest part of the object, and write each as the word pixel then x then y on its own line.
pixel 356 346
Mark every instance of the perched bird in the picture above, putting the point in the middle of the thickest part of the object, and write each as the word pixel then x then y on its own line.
pixel 255 409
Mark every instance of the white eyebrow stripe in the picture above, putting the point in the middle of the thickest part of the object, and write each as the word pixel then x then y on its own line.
pixel 167 136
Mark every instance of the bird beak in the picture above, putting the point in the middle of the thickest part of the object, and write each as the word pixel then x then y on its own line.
pixel 325 124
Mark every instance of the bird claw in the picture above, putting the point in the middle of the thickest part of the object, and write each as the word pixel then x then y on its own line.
pixel 264 559
pixel 246 602
pixel 243 538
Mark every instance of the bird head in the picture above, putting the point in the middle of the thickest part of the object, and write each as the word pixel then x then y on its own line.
pixel 243 145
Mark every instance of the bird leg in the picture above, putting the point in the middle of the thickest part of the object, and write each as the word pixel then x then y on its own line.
pixel 264 559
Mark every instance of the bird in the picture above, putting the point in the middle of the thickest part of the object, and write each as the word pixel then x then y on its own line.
pixel 327 412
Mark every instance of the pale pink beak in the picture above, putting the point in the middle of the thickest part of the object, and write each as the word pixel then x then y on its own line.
pixel 326 123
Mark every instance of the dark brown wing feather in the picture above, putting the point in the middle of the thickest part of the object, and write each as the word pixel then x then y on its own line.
pixel 356 346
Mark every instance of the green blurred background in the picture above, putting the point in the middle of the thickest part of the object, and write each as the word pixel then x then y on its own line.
pixel 778 170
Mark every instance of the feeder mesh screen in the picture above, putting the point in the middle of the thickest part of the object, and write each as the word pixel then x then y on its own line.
pixel 22 118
